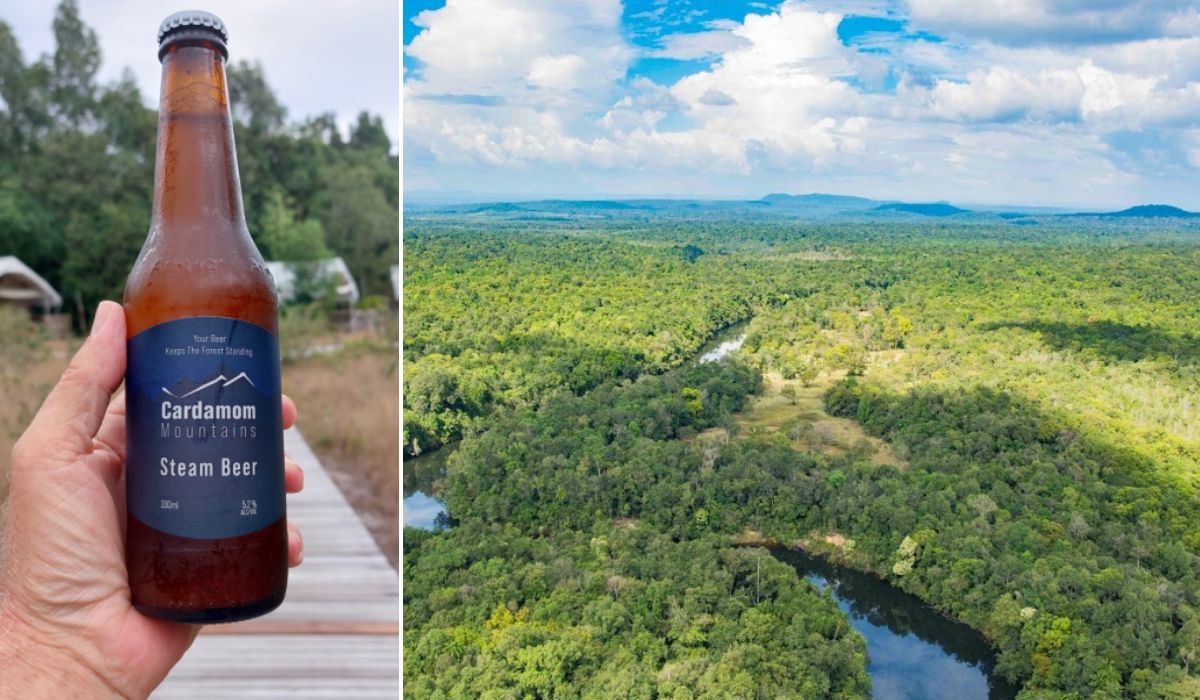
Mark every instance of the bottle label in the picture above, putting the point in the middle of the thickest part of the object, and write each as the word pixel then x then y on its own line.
pixel 204 427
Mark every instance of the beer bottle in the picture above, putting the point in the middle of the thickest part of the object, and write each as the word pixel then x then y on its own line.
pixel 206 536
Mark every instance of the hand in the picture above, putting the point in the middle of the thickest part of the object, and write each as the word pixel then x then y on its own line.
pixel 67 628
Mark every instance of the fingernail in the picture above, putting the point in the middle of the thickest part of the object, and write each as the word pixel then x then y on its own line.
pixel 103 311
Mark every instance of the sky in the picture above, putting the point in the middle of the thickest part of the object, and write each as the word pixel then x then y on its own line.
pixel 318 57
pixel 1074 103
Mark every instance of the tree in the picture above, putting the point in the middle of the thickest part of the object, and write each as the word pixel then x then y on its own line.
pixel 359 225
pixel 281 237
pixel 252 102
pixel 368 134
pixel 322 128
pixel 76 170
pixel 129 125
pixel 24 111
pixel 73 67
pixel 808 373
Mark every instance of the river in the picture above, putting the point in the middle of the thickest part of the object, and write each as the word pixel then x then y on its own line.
pixel 723 343
pixel 422 482
pixel 916 653
pixel 423 474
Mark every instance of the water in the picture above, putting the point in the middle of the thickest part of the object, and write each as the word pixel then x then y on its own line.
pixel 723 343
pixel 422 483
pixel 423 475
pixel 916 653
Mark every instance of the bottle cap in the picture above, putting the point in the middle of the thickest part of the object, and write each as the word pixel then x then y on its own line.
pixel 192 24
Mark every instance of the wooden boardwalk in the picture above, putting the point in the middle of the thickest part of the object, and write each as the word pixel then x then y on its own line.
pixel 336 634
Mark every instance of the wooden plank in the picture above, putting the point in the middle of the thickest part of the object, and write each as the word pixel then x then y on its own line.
pixel 287 666
pixel 344 577
pixel 267 625
pixel 336 635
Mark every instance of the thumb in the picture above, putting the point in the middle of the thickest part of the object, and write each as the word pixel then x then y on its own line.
pixel 66 424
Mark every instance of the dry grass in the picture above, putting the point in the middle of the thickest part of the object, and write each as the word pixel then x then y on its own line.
pixel 806 424
pixel 349 406
pixel 28 370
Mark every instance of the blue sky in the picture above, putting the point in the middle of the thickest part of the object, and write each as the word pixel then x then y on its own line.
pixel 1046 102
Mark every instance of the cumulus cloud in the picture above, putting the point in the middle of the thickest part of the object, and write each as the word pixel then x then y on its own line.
pixel 717 98
pixel 777 99
pixel 503 47
pixel 499 81
pixel 1025 22
pixel 647 104
pixel 698 45
pixel 534 87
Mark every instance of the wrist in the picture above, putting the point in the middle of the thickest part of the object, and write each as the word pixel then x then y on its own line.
pixel 34 666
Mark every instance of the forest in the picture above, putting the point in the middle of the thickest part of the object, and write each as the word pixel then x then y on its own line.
pixel 77 171
pixel 1033 386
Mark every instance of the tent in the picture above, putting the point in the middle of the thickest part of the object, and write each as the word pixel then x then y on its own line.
pixel 21 286
pixel 284 274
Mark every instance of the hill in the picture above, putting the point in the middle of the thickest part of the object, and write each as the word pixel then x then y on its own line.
pixel 925 209
pixel 1144 211
pixel 818 200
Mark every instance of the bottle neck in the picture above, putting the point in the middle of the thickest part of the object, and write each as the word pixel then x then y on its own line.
pixel 196 185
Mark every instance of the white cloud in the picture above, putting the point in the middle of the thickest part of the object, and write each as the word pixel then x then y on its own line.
pixel 507 82
pixel 561 72
pixel 505 47
pixel 1024 22
pixel 1001 94
pixel 540 89
pixel 776 100
pixel 698 45
pixel 647 104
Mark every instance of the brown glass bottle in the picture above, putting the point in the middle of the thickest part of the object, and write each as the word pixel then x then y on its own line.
pixel 199 268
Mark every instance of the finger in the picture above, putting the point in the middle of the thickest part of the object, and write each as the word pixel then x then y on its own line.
pixel 295 545
pixel 289 412
pixel 64 427
pixel 111 435
pixel 293 475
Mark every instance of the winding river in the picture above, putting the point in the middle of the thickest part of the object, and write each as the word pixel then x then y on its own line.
pixel 915 652
pixel 422 480
pixel 422 475
pixel 722 343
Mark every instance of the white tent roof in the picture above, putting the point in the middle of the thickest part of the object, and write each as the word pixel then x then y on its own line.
pixel 32 288
pixel 285 278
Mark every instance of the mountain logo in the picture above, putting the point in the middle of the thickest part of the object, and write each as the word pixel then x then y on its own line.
pixel 220 380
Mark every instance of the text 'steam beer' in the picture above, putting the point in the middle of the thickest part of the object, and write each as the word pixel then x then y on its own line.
pixel 207 537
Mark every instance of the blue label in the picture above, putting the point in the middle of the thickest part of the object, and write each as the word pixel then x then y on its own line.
pixel 204 428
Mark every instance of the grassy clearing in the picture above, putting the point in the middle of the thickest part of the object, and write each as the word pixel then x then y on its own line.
pixel 29 369
pixel 350 413
pixel 802 418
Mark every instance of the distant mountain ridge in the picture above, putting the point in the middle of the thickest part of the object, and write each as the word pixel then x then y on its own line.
pixel 1144 211
pixel 814 205
pixel 925 209
pixel 820 199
